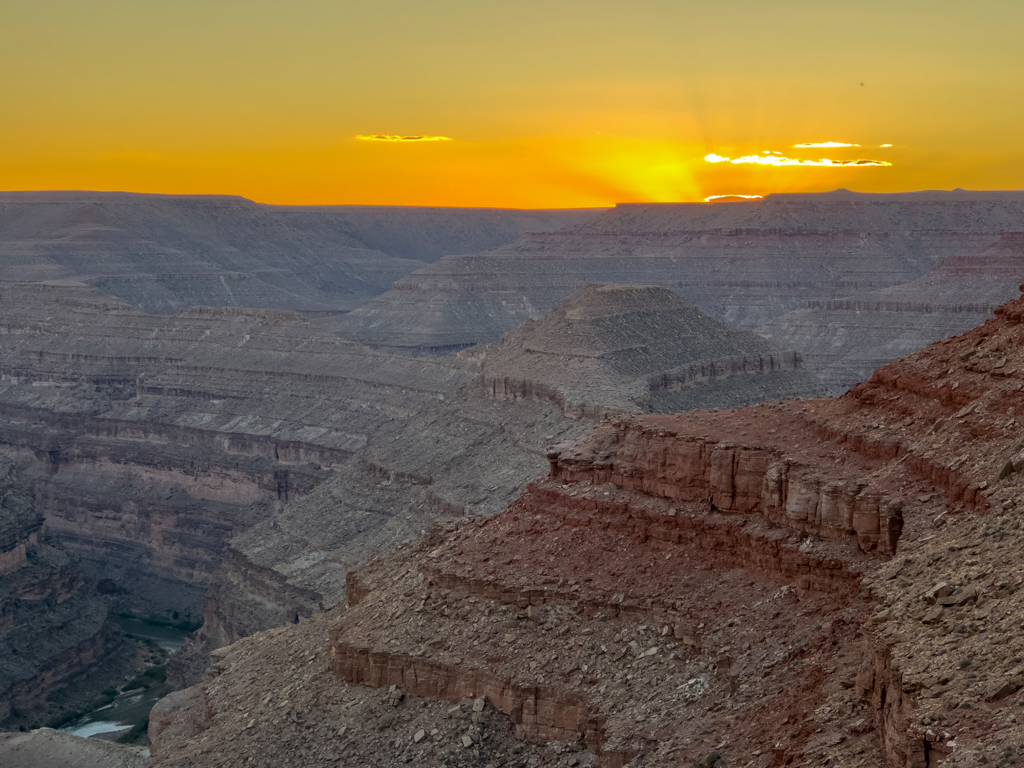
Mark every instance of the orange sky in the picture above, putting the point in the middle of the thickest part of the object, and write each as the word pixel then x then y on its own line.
pixel 558 103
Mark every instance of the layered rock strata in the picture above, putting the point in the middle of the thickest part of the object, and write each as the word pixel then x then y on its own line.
pixel 933 432
pixel 441 464
pixel 742 263
pixel 844 340
pixel 632 347
pixel 281 675
pixel 165 253
pixel 150 439
pixel 475 451
pixel 665 596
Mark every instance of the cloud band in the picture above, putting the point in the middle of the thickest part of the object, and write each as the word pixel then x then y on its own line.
pixel 395 138
pixel 779 160
pixel 823 145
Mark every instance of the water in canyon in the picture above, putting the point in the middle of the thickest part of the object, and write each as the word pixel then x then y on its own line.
pixel 130 708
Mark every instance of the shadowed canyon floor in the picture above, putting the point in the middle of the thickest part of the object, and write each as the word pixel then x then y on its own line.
pixel 816 582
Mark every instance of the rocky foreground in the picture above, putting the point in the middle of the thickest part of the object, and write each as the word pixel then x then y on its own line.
pixel 47 748
pixel 815 582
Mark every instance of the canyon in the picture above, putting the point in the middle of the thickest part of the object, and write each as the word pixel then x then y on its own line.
pixel 472 493
pixel 197 464
pixel 164 253
pixel 806 582
pixel 741 262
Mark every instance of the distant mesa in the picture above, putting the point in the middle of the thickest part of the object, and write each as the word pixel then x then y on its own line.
pixel 166 253
pixel 638 348
pixel 742 264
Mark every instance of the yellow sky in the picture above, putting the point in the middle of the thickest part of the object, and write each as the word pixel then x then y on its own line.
pixel 557 103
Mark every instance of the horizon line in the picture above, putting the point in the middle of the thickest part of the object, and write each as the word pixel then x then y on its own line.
pixel 240 197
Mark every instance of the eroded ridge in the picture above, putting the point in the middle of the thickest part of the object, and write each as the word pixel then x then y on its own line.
pixel 645 627
pixel 825 493
pixel 825 502
pixel 818 582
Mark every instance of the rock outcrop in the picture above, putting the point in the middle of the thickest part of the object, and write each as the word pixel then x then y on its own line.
pixel 741 263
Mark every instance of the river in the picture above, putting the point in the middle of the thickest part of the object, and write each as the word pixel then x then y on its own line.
pixel 129 708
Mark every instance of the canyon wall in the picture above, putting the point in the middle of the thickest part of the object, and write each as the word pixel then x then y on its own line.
pixel 165 253
pixel 844 340
pixel 861 503
pixel 742 263
pixel 53 628
pixel 151 441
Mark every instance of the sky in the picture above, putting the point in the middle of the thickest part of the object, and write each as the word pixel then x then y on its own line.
pixel 558 104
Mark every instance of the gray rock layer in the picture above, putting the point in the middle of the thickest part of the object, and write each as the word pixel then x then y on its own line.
pixel 164 253
pixel 844 340
pixel 743 263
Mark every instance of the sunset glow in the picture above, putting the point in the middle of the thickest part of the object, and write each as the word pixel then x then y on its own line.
pixel 393 138
pixel 779 160
pixel 531 104
pixel 719 198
